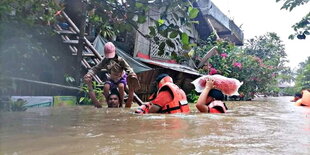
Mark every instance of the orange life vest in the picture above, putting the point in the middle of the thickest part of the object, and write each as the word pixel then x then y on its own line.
pixel 217 107
pixel 179 103
pixel 305 99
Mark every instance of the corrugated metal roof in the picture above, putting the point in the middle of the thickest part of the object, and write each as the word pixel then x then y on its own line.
pixel 176 67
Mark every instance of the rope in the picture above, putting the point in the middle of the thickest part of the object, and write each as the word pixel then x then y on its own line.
pixel 46 83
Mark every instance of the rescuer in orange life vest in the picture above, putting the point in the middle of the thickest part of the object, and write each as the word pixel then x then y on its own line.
pixel 168 98
pixel 305 99
pixel 211 99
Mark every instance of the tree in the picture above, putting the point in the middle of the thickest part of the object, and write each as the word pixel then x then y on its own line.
pixel 269 53
pixel 25 26
pixel 28 11
pixel 112 17
pixel 286 75
pixel 257 64
pixel 301 28
pixel 269 48
pixel 303 75
pixel 28 46
pixel 170 18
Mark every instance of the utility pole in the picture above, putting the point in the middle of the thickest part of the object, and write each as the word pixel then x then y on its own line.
pixel 80 46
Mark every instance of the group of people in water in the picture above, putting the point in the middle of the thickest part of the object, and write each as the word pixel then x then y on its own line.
pixel 168 97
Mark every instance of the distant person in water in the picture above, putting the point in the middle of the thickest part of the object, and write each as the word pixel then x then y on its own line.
pixel 305 99
pixel 297 96
pixel 211 100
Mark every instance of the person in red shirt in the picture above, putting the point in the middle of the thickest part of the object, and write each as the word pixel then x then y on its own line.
pixel 169 98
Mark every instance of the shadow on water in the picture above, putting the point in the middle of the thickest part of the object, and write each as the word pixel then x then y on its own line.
pixel 263 126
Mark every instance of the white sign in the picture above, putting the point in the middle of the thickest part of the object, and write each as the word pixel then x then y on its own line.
pixel 35 101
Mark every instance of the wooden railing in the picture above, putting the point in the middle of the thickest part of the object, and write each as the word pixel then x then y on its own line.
pixel 92 53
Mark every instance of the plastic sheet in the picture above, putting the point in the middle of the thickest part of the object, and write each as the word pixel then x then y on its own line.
pixel 229 86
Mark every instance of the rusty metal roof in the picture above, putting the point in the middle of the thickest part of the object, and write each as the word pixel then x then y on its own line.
pixel 176 67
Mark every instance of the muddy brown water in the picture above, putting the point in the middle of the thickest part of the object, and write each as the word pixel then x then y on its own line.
pixel 263 126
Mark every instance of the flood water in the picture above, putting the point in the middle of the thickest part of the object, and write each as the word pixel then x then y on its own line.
pixel 263 126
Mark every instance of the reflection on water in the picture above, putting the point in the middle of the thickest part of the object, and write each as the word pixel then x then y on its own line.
pixel 264 126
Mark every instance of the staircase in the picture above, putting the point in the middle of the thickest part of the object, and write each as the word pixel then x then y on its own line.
pixel 70 36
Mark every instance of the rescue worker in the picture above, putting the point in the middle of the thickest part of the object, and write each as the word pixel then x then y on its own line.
pixel 211 100
pixel 168 98
pixel 305 99
pixel 119 74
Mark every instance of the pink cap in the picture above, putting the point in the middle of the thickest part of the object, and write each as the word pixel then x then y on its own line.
pixel 109 50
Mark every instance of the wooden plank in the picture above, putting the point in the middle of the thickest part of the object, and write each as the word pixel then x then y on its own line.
pixel 210 53
pixel 73 49
pixel 213 29
pixel 76 29
pixel 97 79
pixel 93 49
pixel 71 41
pixel 66 32
pixel 85 54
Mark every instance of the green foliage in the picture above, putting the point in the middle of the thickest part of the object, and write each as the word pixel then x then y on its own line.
pixel 33 52
pixel 301 28
pixel 97 88
pixel 104 28
pixel 28 46
pixel 18 105
pixel 267 47
pixel 180 58
pixel 290 91
pixel 28 11
pixel 69 79
pixel 11 105
pixel 286 75
pixel 111 18
pixel 291 4
pixel 193 12
pixel 257 64
pixel 265 57
pixel 185 39
pixel 193 96
pixel 303 75
pixel 171 15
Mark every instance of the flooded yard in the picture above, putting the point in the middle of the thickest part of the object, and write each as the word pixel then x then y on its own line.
pixel 263 126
